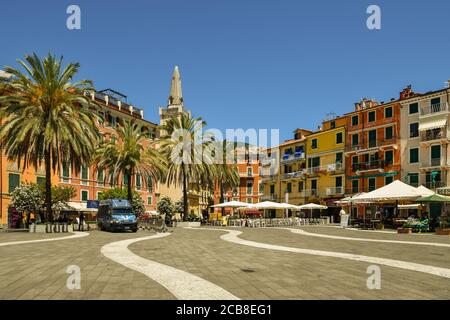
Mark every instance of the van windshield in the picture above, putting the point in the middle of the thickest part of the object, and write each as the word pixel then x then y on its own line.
pixel 123 211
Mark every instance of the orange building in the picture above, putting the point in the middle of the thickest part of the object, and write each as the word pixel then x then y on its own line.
pixel 372 150
pixel 250 187
pixel 88 183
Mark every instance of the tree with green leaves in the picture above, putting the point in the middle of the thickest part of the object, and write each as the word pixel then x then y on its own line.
pixel 166 208
pixel 120 193
pixel 48 118
pixel 128 157
pixel 27 198
pixel 183 144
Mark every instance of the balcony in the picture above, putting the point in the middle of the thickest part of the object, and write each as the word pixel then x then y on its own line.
pixel 311 192
pixel 433 135
pixel 436 184
pixel 367 166
pixel 434 109
pixel 293 175
pixel 436 162
pixel 312 171
pixel 334 167
pixel 334 191
pixel 267 178
pixel 269 197
pixel 289 158
pixel 246 174
pixel 371 144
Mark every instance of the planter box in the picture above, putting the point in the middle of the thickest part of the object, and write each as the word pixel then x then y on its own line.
pixel 379 226
pixel 404 230
pixel 443 232
pixel 188 224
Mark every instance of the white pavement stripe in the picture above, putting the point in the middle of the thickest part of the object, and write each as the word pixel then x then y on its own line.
pixel 232 236
pixel 320 235
pixel 181 284
pixel 76 234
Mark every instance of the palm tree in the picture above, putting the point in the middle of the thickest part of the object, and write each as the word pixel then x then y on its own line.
pixel 128 156
pixel 183 145
pixel 227 174
pixel 47 118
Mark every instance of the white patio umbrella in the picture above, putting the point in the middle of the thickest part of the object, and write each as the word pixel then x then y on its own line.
pixel 232 204
pixel 424 191
pixel 394 191
pixel 272 205
pixel 311 206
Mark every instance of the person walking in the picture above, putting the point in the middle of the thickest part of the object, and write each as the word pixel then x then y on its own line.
pixel 81 224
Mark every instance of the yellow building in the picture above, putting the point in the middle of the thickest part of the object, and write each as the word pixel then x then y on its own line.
pixel 325 165
pixel 283 172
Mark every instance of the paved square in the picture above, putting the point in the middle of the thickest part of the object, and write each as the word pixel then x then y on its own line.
pixel 202 263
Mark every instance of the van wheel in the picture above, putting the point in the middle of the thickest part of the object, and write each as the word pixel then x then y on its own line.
pixel 134 230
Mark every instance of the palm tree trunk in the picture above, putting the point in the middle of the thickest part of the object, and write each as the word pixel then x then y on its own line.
pixel 185 200
pixel 222 198
pixel 130 189
pixel 48 186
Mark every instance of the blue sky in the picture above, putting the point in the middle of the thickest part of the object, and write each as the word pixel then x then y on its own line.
pixel 244 64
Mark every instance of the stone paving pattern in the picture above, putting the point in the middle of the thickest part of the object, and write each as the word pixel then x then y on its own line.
pixel 37 271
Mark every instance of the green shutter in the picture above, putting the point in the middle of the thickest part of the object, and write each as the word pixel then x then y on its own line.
pixel 13 181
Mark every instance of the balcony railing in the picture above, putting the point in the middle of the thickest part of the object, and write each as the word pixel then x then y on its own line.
pixel 433 135
pixel 266 178
pixel 436 184
pixel 334 191
pixel 331 167
pixel 293 175
pixel 311 192
pixel 246 174
pixel 269 197
pixel 372 144
pixel 314 170
pixel 371 165
pixel 434 108
pixel 293 157
pixel 436 162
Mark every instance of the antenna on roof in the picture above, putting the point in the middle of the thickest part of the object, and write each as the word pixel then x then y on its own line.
pixel 330 116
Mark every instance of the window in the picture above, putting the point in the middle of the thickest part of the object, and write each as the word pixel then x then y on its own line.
pixel 314 184
pixel 289 187
pixel 338 182
pixel 66 172
pixel 40 181
pixel 388 157
pixel 371 116
pixel 388 112
pixel 113 121
pixel 339 157
pixel 300 186
pixel 413 179
pixel 338 137
pixel 414 130
pixel 435 101
pixel 272 189
pixel 138 181
pixel 413 108
pixel 436 155
pixel 84 175
pixel 13 182
pixel 371 184
pixel 314 162
pixel 355 186
pixel 372 135
pixel 149 184
pixel 333 124
pixel 355 160
pixel 249 171
pixel 249 188
pixel 355 139
pixel 261 187
pixel 84 195
pixel 126 179
pixel 389 133
pixel 149 200
pixel 414 155
pixel 249 200
pixel 314 143
pixel 388 180
pixel 100 177
pixel 355 120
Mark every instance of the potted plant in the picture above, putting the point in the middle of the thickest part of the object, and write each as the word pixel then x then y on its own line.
pixel 444 229
pixel 406 229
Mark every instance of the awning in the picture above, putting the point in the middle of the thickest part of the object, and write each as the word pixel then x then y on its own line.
pixel 429 125
pixel 78 206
